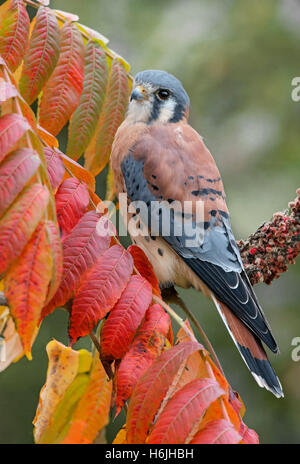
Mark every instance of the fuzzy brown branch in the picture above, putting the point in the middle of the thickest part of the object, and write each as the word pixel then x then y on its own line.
pixel 274 246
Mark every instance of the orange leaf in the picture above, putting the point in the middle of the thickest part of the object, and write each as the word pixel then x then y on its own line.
pixel 215 411
pixel 12 127
pixel 81 249
pixel 218 432
pixel 19 222
pixel 92 411
pixel 100 291
pixel 41 55
pixel 196 365
pixel 62 92
pixel 151 389
pixel 144 267
pixel 26 286
pixel 48 138
pixel 14 32
pixel 146 346
pixel 15 172
pixel 78 171
pixel 184 411
pixel 71 199
pixel 113 113
pixel 124 319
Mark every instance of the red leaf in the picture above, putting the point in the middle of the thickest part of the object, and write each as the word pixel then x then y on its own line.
pixel 184 412
pixel 84 120
pixel 55 167
pixel 146 346
pixel 15 171
pixel 12 127
pixel 144 267
pixel 62 92
pixel 113 113
pixel 100 291
pixel 248 436
pixel 19 222
pixel 218 432
pixel 151 389
pixel 26 286
pixel 14 32
pixel 125 318
pixel 71 199
pixel 41 55
pixel 81 249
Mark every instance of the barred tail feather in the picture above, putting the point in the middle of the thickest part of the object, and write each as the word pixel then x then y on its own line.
pixel 251 350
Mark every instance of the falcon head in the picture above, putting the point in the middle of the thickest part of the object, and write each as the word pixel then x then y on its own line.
pixel 157 96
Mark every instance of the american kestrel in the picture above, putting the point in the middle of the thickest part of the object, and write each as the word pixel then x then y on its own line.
pixel 159 159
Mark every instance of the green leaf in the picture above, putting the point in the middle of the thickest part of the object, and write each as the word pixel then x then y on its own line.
pixel 84 120
pixel 113 113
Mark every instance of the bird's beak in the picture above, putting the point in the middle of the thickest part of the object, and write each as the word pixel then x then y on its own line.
pixel 139 93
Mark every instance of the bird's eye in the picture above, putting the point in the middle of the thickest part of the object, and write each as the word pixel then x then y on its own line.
pixel 163 94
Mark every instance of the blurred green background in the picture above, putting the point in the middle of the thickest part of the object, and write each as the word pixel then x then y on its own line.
pixel 236 60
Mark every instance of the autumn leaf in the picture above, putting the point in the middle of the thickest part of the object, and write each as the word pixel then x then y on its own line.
pixel 100 291
pixel 125 318
pixel 144 267
pixel 15 172
pixel 26 286
pixel 146 347
pixel 113 113
pixel 19 222
pixel 12 127
pixel 218 432
pixel 62 91
pixel 84 119
pixel 14 32
pixel 55 249
pixel 41 55
pixel 248 436
pixel 55 167
pixel 71 199
pixel 62 370
pixel 92 411
pixel 78 171
pixel 81 249
pixel 183 413
pixel 151 389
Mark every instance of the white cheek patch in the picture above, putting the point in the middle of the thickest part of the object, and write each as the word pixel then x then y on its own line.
pixel 167 110
pixel 139 111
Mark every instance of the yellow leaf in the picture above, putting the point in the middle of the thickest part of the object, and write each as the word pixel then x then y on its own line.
pixel 62 370
pixel 92 411
pixel 121 437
